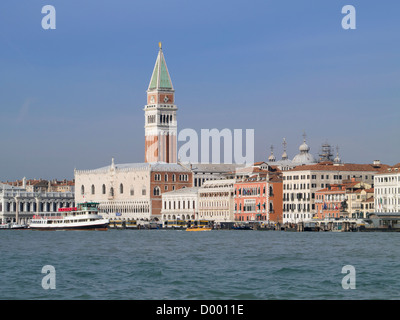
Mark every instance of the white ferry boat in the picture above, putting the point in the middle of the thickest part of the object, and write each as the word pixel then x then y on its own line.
pixel 83 217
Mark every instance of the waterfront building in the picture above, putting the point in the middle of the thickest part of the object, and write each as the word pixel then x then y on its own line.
pixel 19 205
pixel 216 201
pixel 329 202
pixel 259 198
pixel 359 199
pixel 130 191
pixel 352 200
pixel 387 190
pixel 180 204
pixel 301 183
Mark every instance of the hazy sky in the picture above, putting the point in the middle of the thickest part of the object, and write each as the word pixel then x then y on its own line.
pixel 73 97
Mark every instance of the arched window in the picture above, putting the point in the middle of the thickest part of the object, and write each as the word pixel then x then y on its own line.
pixel 103 189
pixel 82 189
pixel 121 188
pixel 156 191
pixel 112 192
pixel 93 189
pixel 132 191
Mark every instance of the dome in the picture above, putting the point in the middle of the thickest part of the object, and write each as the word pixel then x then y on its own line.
pixel 271 158
pixel 304 147
pixel 304 157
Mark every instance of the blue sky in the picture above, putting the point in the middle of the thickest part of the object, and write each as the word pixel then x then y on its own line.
pixel 73 97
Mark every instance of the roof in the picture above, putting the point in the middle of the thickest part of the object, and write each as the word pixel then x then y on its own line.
pixel 149 166
pixel 390 169
pixel 260 179
pixel 6 186
pixel 370 199
pixel 215 167
pixel 333 188
pixel 330 166
pixel 160 79
pixel 182 191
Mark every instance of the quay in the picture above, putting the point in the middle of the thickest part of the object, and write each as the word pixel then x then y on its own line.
pixel 373 223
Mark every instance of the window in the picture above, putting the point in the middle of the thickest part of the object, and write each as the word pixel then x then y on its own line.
pixel 82 189
pixel 156 191
pixel 143 191
pixel 132 191
pixel 93 189
pixel 112 192
pixel 121 188
pixel 103 189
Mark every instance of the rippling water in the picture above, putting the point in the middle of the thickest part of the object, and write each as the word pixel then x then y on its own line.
pixel 166 264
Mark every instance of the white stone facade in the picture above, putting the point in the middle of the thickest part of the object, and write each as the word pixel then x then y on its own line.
pixel 19 206
pixel 216 201
pixel 180 204
pixel 122 190
pixel 387 190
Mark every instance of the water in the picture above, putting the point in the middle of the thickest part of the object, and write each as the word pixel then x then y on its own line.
pixel 167 264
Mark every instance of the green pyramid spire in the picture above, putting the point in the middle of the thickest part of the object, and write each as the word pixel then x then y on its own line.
pixel 160 79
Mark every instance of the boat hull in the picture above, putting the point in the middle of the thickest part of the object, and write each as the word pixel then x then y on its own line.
pixel 96 227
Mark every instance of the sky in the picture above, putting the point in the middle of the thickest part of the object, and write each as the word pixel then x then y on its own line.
pixel 73 97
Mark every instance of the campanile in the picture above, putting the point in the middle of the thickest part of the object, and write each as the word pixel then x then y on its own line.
pixel 160 115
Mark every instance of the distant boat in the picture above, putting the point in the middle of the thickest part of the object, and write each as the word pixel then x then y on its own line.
pixel 83 217
pixel 13 226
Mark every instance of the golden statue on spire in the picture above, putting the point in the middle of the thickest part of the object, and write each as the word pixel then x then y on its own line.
pixel 159 44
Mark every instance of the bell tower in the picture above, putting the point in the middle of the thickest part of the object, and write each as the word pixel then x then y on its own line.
pixel 160 115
